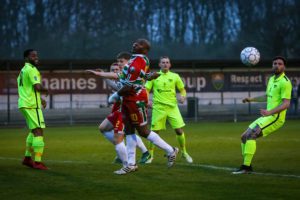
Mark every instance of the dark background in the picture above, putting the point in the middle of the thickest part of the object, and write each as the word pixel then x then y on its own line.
pixel 182 29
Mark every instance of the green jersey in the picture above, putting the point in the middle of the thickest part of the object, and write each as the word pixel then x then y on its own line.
pixel 164 88
pixel 278 89
pixel 28 96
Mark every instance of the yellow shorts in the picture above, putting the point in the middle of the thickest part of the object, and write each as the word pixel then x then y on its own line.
pixel 268 124
pixel 162 113
pixel 34 118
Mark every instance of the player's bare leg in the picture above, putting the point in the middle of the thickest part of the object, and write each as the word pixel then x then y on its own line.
pixel 107 129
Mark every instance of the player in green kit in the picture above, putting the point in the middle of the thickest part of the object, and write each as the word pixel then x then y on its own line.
pixel 165 105
pixel 30 104
pixel 278 95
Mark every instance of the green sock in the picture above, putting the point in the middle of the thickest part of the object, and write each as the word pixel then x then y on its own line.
pixel 243 149
pixel 181 141
pixel 29 140
pixel 38 148
pixel 250 148
pixel 151 148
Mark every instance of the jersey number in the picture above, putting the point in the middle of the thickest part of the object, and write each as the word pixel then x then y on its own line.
pixel 133 117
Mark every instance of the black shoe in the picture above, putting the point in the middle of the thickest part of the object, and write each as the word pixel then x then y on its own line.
pixel 244 170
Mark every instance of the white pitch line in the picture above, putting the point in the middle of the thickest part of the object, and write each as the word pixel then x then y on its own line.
pixel 207 166
pixel 180 164
pixel 232 169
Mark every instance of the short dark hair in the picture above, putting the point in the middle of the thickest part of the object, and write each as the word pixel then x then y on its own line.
pixel 280 58
pixel 27 52
pixel 164 57
pixel 145 42
pixel 114 64
pixel 124 54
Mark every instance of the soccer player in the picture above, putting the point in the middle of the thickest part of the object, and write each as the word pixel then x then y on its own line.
pixel 30 104
pixel 135 99
pixel 132 140
pixel 113 128
pixel 165 105
pixel 278 95
pixel 113 124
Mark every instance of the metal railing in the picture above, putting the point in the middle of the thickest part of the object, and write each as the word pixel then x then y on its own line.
pixel 195 109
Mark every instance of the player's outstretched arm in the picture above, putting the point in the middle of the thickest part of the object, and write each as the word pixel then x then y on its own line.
pixel 102 74
pixel 255 99
pixel 152 75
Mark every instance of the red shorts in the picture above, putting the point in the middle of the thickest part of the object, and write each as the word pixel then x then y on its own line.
pixel 116 120
pixel 134 109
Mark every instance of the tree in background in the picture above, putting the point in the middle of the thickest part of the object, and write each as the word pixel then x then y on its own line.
pixel 182 29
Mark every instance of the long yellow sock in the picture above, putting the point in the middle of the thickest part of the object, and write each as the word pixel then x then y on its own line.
pixel 250 148
pixel 29 140
pixel 151 147
pixel 38 148
pixel 243 149
pixel 181 141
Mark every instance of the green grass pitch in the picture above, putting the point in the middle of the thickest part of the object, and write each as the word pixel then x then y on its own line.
pixel 81 166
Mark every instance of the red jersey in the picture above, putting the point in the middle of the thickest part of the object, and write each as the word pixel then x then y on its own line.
pixel 135 71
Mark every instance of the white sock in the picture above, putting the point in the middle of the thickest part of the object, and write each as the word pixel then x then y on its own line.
pixel 131 149
pixel 109 135
pixel 155 139
pixel 122 152
pixel 140 144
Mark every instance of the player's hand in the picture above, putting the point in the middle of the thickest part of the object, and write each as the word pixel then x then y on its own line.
pixel 264 112
pixel 113 98
pixel 181 99
pixel 44 103
pixel 126 90
pixel 153 76
pixel 246 100
pixel 46 92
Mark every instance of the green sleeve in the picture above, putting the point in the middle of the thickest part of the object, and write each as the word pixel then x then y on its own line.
pixel 179 83
pixel 286 90
pixel 34 76
pixel 149 85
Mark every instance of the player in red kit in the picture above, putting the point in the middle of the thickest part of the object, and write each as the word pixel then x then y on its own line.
pixel 135 99
pixel 112 126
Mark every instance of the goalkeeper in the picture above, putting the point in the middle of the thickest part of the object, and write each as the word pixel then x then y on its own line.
pixel 165 105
